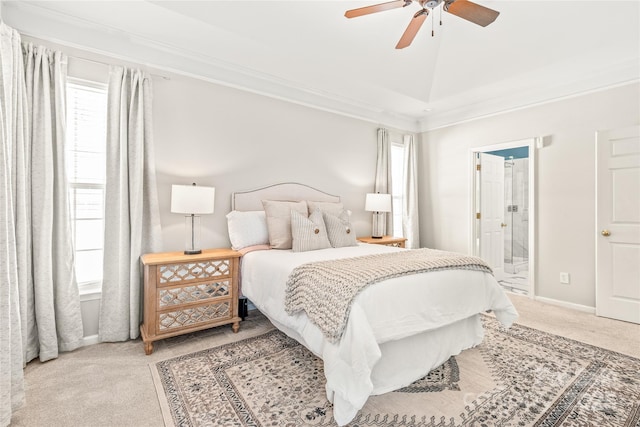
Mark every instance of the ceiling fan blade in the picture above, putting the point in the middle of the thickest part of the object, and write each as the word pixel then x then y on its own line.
pixel 412 29
pixel 353 13
pixel 472 12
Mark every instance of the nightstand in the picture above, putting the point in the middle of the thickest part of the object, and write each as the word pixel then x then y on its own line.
pixel 397 242
pixel 186 293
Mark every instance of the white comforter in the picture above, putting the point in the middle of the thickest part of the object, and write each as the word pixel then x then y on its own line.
pixel 387 311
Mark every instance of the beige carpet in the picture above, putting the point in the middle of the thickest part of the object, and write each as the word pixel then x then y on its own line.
pixel 516 377
pixel 109 384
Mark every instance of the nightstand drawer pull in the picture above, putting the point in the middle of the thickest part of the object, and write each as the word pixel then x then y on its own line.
pixel 172 273
pixel 193 293
pixel 191 316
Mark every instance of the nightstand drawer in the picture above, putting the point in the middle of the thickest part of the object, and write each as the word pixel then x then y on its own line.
pixel 196 292
pixel 191 271
pixel 192 316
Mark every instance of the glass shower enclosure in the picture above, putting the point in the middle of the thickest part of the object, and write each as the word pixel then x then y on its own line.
pixel 516 236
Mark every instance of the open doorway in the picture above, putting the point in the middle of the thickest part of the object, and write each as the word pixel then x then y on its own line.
pixel 503 212
pixel 515 223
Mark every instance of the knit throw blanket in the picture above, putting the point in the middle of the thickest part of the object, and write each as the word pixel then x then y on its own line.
pixel 325 290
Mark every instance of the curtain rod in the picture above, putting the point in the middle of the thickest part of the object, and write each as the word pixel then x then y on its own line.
pixel 95 61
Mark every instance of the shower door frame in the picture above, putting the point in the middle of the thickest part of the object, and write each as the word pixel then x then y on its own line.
pixel 510 178
pixel 474 240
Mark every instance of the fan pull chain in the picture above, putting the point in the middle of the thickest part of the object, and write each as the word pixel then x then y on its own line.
pixel 432 18
pixel 441 15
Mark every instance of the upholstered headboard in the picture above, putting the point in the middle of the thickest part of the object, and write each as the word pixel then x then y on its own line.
pixel 251 200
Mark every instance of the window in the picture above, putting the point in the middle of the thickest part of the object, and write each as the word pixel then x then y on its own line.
pixel 397 190
pixel 86 167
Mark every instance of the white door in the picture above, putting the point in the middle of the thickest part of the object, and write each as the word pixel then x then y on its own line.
pixel 492 212
pixel 618 224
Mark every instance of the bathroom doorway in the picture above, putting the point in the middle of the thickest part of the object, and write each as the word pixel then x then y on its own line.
pixel 516 219
pixel 516 274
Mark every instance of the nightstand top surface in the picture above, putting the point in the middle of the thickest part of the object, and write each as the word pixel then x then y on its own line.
pixel 383 239
pixel 164 257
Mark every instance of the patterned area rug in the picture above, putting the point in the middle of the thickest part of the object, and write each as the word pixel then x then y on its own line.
pixel 516 377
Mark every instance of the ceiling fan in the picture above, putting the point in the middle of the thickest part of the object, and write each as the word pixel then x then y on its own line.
pixel 464 9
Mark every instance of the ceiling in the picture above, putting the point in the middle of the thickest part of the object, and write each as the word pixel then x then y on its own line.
pixel 307 52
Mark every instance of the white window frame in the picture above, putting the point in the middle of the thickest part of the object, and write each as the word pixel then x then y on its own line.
pixel 93 287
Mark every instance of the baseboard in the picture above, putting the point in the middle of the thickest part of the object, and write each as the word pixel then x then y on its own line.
pixel 90 340
pixel 573 306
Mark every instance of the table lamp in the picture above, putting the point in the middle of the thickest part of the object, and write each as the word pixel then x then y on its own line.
pixel 379 204
pixel 193 201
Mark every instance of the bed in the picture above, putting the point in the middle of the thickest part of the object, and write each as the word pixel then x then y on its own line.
pixel 397 330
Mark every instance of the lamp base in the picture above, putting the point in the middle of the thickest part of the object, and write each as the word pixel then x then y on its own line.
pixel 379 225
pixel 192 236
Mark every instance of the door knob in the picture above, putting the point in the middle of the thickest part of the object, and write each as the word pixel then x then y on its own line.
pixel 503 225
pixel 605 233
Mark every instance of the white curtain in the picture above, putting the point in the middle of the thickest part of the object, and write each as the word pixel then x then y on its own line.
pixel 132 219
pixel 39 301
pixel 13 142
pixel 52 307
pixel 410 217
pixel 383 173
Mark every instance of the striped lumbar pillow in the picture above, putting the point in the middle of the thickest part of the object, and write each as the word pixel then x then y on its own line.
pixel 339 230
pixel 308 234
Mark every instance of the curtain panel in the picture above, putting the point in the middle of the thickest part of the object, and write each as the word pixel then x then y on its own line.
pixel 51 306
pixel 39 300
pixel 132 219
pixel 13 142
pixel 383 173
pixel 410 215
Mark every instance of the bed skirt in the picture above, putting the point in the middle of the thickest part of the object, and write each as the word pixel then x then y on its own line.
pixel 405 360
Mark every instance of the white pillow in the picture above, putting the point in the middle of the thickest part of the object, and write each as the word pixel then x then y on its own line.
pixel 339 229
pixel 247 228
pixel 279 221
pixel 308 234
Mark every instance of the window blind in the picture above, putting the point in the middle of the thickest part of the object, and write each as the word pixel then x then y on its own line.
pixel 86 167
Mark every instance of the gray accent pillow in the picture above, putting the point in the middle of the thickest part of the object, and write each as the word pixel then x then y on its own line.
pixel 278 215
pixel 334 208
pixel 309 234
pixel 339 229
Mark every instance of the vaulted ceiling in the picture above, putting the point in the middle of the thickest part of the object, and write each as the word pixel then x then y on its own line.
pixel 308 52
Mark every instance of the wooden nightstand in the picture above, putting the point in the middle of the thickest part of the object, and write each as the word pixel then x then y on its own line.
pixel 186 293
pixel 398 242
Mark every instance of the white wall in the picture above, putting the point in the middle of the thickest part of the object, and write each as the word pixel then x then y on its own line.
pixel 565 184
pixel 236 140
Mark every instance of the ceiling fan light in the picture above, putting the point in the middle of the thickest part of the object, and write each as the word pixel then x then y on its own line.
pixel 431 4
pixel 464 9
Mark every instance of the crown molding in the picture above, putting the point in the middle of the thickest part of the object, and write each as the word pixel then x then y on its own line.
pixel 555 82
pixel 39 22
pixel 503 98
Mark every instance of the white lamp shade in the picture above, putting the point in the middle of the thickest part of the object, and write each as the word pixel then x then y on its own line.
pixel 192 199
pixel 377 202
